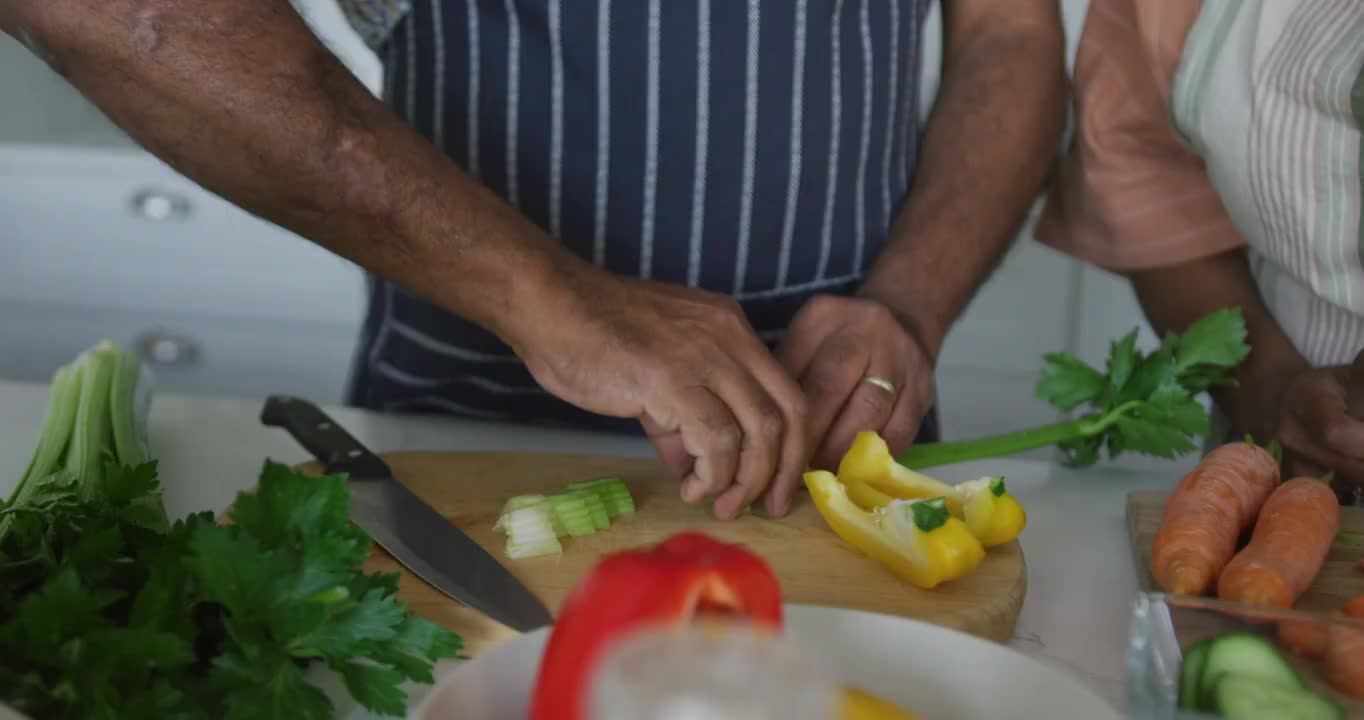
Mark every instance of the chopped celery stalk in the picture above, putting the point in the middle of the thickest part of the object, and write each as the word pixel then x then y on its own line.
pixel 572 515
pixel 614 495
pixel 521 501
pixel 595 508
pixel 529 532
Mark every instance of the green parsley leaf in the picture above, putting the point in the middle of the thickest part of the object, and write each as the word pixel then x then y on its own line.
pixel 267 685
pixel 374 686
pixel 288 505
pixel 234 571
pixel 375 617
pixel 417 640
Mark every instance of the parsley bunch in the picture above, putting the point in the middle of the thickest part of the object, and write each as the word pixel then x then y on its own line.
pixel 1144 403
pixel 105 612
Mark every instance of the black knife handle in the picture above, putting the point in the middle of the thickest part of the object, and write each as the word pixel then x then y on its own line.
pixel 320 435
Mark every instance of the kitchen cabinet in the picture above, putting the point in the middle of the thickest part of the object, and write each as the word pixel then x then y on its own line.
pixel 102 240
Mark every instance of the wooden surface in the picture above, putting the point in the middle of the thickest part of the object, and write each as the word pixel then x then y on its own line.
pixel 1340 578
pixel 813 565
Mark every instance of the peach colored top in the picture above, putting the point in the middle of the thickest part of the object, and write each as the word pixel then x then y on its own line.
pixel 1130 195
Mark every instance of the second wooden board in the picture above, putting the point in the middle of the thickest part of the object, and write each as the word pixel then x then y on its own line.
pixel 813 565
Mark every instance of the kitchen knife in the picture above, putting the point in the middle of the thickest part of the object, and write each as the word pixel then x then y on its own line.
pixel 404 525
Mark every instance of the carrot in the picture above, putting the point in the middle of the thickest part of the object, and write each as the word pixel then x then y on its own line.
pixel 1345 653
pixel 1207 512
pixel 1304 637
pixel 1294 533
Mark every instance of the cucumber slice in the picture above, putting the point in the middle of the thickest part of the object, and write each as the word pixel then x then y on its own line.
pixel 1238 696
pixel 1191 674
pixel 1242 653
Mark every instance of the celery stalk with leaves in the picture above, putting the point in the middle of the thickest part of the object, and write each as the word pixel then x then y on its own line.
pixel 1144 402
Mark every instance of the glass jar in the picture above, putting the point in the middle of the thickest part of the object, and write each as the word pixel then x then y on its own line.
pixel 713 670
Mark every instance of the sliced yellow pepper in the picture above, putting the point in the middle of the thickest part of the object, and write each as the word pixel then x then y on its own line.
pixel 874 479
pixel 869 461
pixel 994 516
pixel 858 704
pixel 918 540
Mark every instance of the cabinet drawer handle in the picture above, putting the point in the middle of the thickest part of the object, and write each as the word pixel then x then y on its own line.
pixel 158 205
pixel 167 350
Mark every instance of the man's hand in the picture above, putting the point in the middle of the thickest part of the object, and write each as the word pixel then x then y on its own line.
pixel 835 347
pixel 1321 423
pixel 720 410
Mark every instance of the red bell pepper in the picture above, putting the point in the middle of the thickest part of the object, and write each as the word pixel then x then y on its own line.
pixel 685 576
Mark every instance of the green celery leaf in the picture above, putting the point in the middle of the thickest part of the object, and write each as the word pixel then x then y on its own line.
pixel 1068 382
pixel 1152 372
pixel 1114 444
pixel 1174 406
pixel 258 684
pixel 376 687
pixel 1122 360
pixel 1152 438
pixel 1218 339
pixel 1082 452
pixel 1206 377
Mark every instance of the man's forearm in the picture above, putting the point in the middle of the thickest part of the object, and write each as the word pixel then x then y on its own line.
pixel 1176 297
pixel 987 147
pixel 242 98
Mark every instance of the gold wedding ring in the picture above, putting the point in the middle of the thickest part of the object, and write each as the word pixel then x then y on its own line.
pixel 880 382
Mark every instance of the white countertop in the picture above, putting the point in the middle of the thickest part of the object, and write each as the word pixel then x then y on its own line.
pixel 1080 577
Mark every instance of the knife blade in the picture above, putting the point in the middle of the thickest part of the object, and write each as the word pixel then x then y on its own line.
pixel 404 525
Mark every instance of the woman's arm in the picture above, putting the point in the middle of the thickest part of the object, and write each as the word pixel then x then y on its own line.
pixel 1175 297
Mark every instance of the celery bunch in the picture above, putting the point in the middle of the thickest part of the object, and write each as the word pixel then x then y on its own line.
pixel 96 419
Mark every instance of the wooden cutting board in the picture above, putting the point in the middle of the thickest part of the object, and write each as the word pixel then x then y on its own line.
pixel 813 565
pixel 1340 578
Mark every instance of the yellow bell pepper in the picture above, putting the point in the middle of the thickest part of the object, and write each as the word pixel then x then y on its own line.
pixel 918 540
pixel 994 516
pixel 869 461
pixel 874 479
pixel 858 704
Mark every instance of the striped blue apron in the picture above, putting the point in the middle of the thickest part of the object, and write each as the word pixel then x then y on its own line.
pixel 759 149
